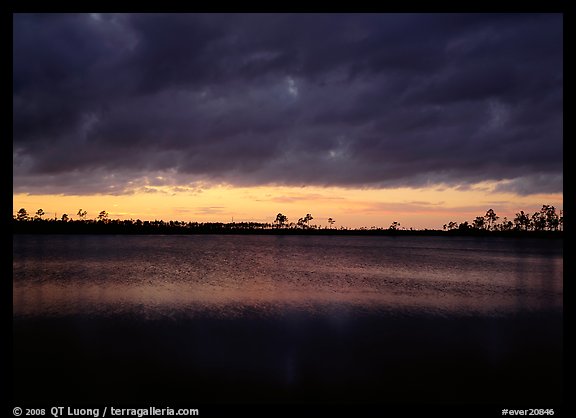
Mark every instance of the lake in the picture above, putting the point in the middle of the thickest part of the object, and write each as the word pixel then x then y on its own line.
pixel 257 318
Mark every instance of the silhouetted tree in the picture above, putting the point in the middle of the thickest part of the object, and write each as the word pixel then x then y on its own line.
pixel 39 214
pixel 281 220
pixel 506 225
pixel 538 221
pixel 82 214
pixel 65 217
pixel 464 226
pixel 103 216
pixel 491 218
pixel 478 223
pixel 307 219
pixel 450 226
pixel 522 221
pixel 552 218
pixel 394 226
pixel 331 222
pixel 22 215
pixel 545 219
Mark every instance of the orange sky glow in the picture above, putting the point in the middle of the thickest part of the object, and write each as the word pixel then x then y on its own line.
pixel 352 208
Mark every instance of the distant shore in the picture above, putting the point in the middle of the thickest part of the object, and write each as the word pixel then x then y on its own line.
pixel 170 228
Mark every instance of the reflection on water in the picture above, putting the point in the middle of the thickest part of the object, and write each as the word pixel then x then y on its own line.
pixel 159 276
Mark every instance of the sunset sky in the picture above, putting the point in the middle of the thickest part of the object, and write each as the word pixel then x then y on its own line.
pixel 366 118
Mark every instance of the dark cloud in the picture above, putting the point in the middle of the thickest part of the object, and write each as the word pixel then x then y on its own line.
pixel 105 102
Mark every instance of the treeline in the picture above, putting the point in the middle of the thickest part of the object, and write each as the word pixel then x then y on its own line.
pixel 545 222
pixel 546 219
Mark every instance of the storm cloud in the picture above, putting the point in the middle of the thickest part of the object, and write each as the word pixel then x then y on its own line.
pixel 104 103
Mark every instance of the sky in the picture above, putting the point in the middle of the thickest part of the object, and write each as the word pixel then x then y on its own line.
pixel 368 119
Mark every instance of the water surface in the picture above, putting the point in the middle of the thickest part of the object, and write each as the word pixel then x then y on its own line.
pixel 226 275
pixel 287 320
